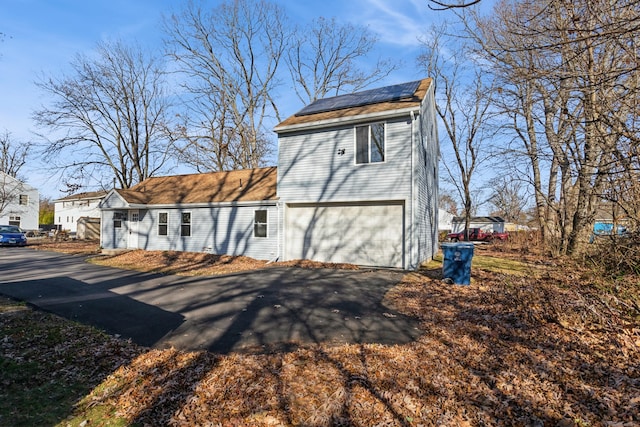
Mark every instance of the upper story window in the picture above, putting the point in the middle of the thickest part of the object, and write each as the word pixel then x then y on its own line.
pixel 185 226
pixel 260 223
pixel 163 221
pixel 24 199
pixel 370 143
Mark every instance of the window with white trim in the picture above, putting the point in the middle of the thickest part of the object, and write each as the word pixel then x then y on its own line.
pixel 118 217
pixel 185 224
pixel 24 199
pixel 370 143
pixel 163 223
pixel 260 223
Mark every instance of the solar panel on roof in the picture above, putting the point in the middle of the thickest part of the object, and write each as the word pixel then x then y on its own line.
pixel 372 96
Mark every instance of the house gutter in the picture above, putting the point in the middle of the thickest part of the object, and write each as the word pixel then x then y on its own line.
pixel 194 205
pixel 346 120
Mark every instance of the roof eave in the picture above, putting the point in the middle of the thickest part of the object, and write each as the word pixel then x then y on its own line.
pixel 346 120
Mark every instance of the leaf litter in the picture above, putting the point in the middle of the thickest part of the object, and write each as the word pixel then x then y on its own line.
pixel 548 348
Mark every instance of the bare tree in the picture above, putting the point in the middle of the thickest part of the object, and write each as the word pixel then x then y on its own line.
pixel 442 5
pixel 109 117
pixel 567 74
pixel 448 203
pixel 13 154
pixel 463 102
pixel 507 198
pixel 323 60
pixel 229 56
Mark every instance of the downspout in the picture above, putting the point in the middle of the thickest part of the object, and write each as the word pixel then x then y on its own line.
pixel 412 215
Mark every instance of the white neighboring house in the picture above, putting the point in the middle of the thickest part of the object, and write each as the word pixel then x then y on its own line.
pixel 19 203
pixel 445 220
pixel 489 224
pixel 68 210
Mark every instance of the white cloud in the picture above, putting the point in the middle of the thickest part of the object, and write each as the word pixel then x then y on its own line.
pixel 397 23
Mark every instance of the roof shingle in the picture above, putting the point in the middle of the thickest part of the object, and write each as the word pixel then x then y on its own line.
pixel 216 187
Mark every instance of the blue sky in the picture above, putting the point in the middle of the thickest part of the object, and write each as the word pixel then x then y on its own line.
pixel 43 36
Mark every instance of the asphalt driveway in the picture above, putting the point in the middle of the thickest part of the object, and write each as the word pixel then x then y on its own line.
pixel 260 310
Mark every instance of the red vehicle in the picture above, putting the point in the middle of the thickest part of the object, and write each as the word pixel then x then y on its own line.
pixel 478 235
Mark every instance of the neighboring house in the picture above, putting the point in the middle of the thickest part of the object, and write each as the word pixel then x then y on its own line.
pixel 19 203
pixel 69 210
pixel 444 220
pixel 356 183
pixel 486 223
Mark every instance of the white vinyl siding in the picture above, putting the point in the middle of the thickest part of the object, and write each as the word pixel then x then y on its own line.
pixel 218 229
pixel 319 166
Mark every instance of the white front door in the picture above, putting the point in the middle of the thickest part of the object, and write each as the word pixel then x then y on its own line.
pixel 134 218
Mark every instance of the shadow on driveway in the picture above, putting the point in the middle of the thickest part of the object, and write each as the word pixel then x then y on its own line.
pixel 264 310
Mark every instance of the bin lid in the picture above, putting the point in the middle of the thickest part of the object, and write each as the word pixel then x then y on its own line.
pixel 457 245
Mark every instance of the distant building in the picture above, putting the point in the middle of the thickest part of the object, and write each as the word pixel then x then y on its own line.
pixel 445 220
pixel 485 223
pixel 69 210
pixel 19 203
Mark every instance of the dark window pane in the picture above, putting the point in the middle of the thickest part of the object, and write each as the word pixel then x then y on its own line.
pixel 261 216
pixel 362 144
pixel 185 230
pixel 162 229
pixel 117 223
pixel 162 217
pixel 260 230
pixel 377 142
pixel 186 218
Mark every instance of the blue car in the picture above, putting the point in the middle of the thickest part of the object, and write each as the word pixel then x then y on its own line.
pixel 10 235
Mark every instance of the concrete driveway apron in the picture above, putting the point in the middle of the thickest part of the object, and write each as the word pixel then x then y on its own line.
pixel 262 310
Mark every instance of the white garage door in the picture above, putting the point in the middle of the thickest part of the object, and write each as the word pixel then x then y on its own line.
pixel 363 234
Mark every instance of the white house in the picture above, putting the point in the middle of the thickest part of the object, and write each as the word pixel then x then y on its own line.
pixel 445 220
pixel 68 210
pixel 486 223
pixel 19 203
pixel 356 182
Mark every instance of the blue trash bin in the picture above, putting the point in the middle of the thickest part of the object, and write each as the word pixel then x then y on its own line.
pixel 456 263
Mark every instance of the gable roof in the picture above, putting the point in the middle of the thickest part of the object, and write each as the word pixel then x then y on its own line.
pixel 345 108
pixel 83 196
pixel 7 179
pixel 232 186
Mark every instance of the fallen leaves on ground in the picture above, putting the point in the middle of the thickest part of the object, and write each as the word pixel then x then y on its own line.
pixel 550 348
pixel 198 263
pixel 71 246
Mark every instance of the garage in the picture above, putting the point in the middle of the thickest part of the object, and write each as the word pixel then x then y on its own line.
pixel 362 233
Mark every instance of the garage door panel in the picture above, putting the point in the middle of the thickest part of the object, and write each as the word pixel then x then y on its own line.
pixel 357 234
